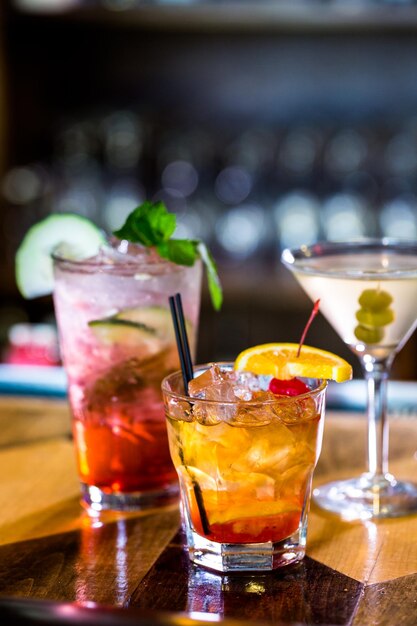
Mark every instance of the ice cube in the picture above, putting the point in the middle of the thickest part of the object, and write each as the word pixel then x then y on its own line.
pixel 294 410
pixel 219 404
pixel 247 485
pixel 179 409
pixel 198 385
pixel 266 457
pixel 241 393
pixel 294 480
pixel 256 412
pixel 209 413
pixel 309 410
pixel 247 380
pixel 287 412
pixel 247 384
pixel 214 384
pixel 203 415
pixel 245 398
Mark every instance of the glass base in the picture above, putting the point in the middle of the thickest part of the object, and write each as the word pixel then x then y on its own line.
pixel 96 500
pixel 367 497
pixel 238 557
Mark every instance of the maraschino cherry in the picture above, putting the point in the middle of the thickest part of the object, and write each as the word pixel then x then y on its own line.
pixel 294 386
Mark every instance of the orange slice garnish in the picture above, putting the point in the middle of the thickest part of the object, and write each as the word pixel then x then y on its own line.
pixel 280 360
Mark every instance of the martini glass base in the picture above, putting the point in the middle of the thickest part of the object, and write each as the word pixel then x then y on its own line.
pixel 367 497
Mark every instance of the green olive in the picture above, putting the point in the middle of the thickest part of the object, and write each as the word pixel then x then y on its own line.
pixel 372 319
pixel 375 299
pixel 368 335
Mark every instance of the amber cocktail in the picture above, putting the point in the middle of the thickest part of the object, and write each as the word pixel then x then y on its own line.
pixel 245 459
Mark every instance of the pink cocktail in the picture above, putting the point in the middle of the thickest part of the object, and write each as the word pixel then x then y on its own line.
pixel 117 342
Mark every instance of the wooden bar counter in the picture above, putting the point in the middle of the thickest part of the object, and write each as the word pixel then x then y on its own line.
pixel 356 574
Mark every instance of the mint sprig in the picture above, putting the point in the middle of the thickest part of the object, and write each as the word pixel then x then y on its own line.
pixel 151 225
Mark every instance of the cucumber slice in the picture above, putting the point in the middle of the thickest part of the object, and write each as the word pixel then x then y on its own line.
pixel 127 334
pixel 111 330
pixel 79 237
pixel 155 317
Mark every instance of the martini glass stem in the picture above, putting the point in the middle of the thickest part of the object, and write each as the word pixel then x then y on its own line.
pixel 376 374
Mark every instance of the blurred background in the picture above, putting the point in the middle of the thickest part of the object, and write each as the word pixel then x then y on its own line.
pixel 262 123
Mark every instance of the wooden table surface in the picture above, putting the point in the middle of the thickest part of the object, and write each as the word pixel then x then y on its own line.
pixel 355 574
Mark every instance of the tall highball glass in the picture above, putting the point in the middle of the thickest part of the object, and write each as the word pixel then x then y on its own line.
pixel 118 343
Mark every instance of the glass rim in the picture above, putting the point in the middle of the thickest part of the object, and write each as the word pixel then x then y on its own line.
pixel 321 386
pixel 128 266
pixel 293 258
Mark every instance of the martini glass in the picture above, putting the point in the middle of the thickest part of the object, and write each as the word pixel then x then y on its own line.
pixel 368 293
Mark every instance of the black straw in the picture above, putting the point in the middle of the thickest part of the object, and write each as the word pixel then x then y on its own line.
pixel 186 345
pixel 183 346
pixel 184 361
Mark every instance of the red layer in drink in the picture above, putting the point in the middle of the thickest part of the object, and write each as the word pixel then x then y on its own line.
pixel 120 456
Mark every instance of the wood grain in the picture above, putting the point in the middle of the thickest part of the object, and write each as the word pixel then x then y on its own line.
pixel 366 551
pixel 355 574
pixel 39 489
pixel 307 593
pixel 31 419
pixel 389 604
pixel 100 562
